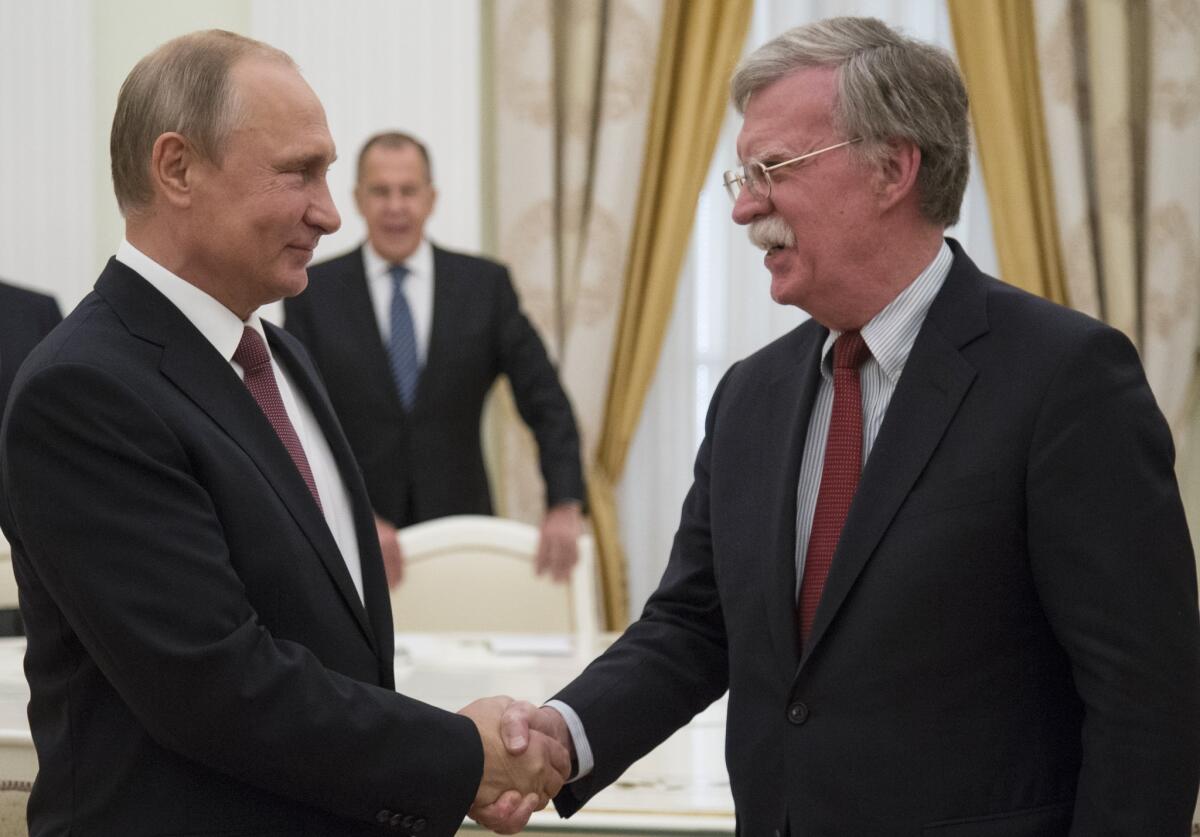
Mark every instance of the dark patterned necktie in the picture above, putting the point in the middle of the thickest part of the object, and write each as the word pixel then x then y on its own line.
pixel 839 474
pixel 255 360
pixel 402 346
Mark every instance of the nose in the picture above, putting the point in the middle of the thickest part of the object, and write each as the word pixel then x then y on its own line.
pixel 395 201
pixel 322 213
pixel 747 207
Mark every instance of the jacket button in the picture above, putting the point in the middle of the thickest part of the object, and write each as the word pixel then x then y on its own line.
pixel 383 817
pixel 797 713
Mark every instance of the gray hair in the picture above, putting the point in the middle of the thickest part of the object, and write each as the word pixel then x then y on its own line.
pixel 182 86
pixel 394 140
pixel 889 87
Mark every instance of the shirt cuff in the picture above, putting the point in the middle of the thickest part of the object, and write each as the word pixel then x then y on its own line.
pixel 583 751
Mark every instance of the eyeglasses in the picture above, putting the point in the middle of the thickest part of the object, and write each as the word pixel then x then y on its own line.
pixel 756 177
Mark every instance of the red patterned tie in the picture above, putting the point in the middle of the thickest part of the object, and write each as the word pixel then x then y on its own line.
pixel 839 474
pixel 255 360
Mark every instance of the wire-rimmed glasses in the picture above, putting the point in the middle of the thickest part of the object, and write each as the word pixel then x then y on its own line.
pixel 756 176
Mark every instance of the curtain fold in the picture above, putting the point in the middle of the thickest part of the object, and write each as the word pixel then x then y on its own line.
pixel 1122 85
pixel 997 51
pixel 700 43
pixel 571 97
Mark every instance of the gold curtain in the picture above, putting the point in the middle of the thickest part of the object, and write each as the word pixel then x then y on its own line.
pixel 997 50
pixel 699 45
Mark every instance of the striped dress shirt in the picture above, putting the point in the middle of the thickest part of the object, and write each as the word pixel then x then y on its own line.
pixel 890 336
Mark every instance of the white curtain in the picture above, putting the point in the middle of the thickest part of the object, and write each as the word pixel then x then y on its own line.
pixel 48 159
pixel 375 64
pixel 723 310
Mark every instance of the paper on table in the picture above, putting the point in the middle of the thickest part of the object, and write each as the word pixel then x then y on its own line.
pixel 540 645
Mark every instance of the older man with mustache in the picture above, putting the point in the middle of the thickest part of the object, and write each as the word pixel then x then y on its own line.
pixel 934 548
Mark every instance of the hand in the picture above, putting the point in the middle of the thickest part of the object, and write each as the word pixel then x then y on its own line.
pixel 389 545
pixel 521 717
pixel 521 724
pixel 558 547
pixel 513 786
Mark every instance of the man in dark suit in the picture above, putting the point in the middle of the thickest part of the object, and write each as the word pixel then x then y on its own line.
pixel 209 635
pixel 25 318
pixel 934 548
pixel 409 339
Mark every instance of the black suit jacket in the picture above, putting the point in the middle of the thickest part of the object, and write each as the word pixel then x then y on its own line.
pixel 199 661
pixel 429 462
pixel 25 318
pixel 1008 638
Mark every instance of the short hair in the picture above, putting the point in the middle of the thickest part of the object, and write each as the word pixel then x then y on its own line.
pixel 394 140
pixel 889 86
pixel 182 86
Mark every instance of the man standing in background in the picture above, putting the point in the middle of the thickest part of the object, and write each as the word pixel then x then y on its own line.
pixel 410 339
pixel 25 318
pixel 210 644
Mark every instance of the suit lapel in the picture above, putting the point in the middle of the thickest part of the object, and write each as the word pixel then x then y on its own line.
pixel 192 364
pixel 372 569
pixel 793 389
pixel 362 326
pixel 935 380
pixel 442 327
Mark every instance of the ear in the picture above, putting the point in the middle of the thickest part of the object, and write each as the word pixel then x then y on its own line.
pixel 172 169
pixel 897 176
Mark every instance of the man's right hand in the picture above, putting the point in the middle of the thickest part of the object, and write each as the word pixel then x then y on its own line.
pixel 514 785
pixel 520 718
pixel 521 726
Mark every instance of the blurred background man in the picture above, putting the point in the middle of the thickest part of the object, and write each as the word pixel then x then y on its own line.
pixel 410 339
pixel 25 318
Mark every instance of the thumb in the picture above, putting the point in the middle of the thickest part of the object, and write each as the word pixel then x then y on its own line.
pixel 514 726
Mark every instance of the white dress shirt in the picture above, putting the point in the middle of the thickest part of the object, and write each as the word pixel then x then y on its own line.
pixel 223 329
pixel 418 290
pixel 890 336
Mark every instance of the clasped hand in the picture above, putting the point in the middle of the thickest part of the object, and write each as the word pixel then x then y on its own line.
pixel 523 768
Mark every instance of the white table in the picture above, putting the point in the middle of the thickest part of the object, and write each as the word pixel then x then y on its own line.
pixel 681 788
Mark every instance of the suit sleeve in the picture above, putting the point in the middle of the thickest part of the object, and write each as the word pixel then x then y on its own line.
pixel 125 538
pixel 668 665
pixel 540 398
pixel 1113 565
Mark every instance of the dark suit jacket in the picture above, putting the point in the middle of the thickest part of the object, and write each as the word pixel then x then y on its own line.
pixel 1008 638
pixel 198 660
pixel 429 463
pixel 25 318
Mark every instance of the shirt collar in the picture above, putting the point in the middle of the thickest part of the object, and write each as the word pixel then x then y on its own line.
pixel 420 263
pixel 890 334
pixel 219 326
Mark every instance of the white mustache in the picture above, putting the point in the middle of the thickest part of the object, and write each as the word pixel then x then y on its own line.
pixel 769 232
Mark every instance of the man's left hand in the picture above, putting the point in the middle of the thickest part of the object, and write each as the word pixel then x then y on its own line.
pixel 389 545
pixel 558 547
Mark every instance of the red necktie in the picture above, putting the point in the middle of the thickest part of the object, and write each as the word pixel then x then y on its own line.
pixel 255 360
pixel 839 474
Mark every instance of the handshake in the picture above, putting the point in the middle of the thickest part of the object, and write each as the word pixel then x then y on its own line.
pixel 526 760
